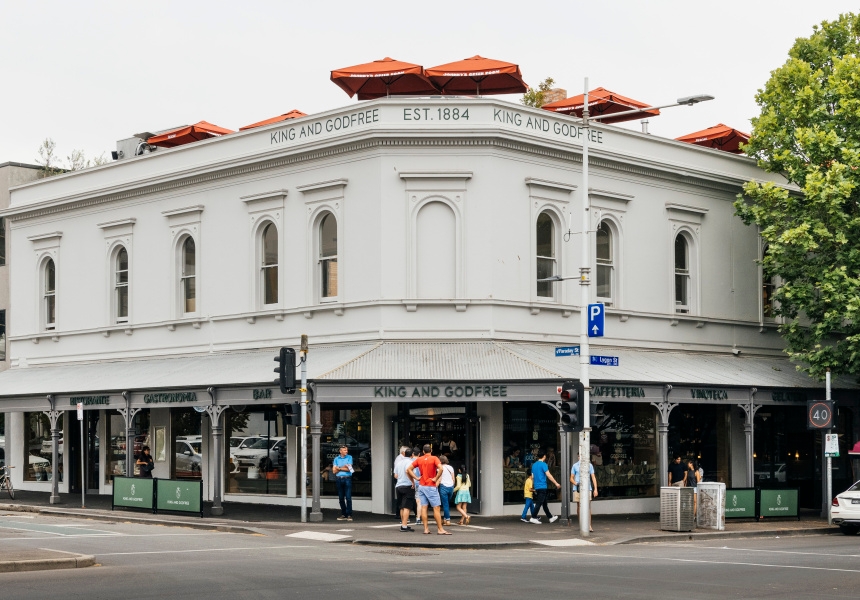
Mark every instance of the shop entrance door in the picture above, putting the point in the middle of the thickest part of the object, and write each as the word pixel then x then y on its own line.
pixel 90 451
pixel 453 431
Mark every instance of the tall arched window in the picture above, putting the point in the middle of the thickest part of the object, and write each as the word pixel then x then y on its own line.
pixel 269 266
pixel 545 250
pixel 328 257
pixel 767 288
pixel 683 287
pixel 121 286
pixel 188 276
pixel 605 259
pixel 49 294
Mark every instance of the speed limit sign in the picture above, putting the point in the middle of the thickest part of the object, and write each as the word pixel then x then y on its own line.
pixel 819 414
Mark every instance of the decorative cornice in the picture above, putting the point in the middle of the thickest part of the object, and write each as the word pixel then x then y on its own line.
pixel 607 195
pixel 684 208
pixel 555 185
pixel 40 237
pixel 322 185
pixel 435 174
pixel 500 140
pixel 117 223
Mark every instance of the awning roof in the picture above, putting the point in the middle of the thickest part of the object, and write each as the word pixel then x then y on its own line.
pixel 410 361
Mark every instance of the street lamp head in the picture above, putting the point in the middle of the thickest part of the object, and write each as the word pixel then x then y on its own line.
pixel 691 100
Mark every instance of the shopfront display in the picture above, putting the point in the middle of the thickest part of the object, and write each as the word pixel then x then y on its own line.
pixel 187 443
pixel 529 428
pixel 39 447
pixel 345 425
pixel 624 450
pixel 256 450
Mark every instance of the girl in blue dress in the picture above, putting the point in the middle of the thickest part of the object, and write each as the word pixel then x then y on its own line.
pixel 462 495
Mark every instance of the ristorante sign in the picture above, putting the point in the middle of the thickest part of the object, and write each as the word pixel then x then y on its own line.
pixel 436 114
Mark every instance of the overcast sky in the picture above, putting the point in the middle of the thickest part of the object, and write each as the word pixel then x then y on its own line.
pixel 88 73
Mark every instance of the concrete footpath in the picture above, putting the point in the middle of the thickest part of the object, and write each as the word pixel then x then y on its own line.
pixel 384 530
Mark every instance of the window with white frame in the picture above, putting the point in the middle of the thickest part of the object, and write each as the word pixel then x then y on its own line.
pixel 328 256
pixel 120 285
pixel 269 266
pixel 545 254
pixel 49 294
pixel 683 281
pixel 605 262
pixel 188 276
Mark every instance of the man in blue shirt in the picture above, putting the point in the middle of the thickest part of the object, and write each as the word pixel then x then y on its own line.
pixel 341 466
pixel 541 473
pixel 580 489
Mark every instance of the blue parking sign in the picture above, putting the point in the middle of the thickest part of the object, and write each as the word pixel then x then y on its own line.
pixel 596 314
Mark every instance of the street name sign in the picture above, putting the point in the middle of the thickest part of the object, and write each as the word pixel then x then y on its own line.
pixel 596 319
pixel 604 361
pixel 567 351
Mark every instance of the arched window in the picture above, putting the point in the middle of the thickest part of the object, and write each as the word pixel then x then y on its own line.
pixel 768 286
pixel 269 266
pixel 683 284
pixel 188 276
pixel 49 294
pixel 328 256
pixel 605 259
pixel 121 286
pixel 545 251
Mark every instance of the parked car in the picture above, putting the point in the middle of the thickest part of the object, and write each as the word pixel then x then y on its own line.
pixel 238 442
pixel 188 458
pixel 48 445
pixel 770 472
pixel 263 454
pixel 845 510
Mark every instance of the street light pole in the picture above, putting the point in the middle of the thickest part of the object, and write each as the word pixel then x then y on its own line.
pixel 584 353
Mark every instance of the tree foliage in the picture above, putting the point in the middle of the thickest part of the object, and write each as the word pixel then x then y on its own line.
pixel 535 97
pixel 52 164
pixel 809 131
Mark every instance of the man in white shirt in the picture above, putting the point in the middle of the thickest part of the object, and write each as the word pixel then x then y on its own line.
pixel 404 488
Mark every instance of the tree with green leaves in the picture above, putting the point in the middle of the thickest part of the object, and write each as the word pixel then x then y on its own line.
pixel 809 132
pixel 535 97
pixel 52 165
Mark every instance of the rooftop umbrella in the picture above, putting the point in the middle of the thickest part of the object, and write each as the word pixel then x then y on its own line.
pixel 293 114
pixel 187 134
pixel 381 78
pixel 722 137
pixel 478 75
pixel 601 103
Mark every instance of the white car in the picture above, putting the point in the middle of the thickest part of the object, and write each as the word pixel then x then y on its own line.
pixel 238 442
pixel 845 510
pixel 764 473
pixel 262 454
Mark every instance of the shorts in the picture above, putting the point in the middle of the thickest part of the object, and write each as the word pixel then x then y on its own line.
pixel 405 497
pixel 678 484
pixel 428 495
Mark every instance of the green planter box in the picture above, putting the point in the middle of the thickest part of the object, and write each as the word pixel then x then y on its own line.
pixel 741 503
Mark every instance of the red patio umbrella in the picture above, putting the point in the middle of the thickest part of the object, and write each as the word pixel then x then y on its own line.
pixel 722 137
pixel 293 114
pixel 602 102
pixel 187 134
pixel 478 75
pixel 381 78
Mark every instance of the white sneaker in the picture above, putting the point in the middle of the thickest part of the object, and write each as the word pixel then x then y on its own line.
pixel 524 520
pixel 553 519
pixel 535 521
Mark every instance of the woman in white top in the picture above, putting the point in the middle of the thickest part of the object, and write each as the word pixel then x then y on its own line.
pixel 446 489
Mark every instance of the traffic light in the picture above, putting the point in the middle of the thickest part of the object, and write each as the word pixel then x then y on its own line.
pixel 286 370
pixel 572 405
pixel 292 416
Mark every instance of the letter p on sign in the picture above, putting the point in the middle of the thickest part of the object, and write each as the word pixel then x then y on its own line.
pixel 596 313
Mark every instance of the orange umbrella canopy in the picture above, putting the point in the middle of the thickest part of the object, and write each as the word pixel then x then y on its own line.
pixel 293 114
pixel 478 75
pixel 187 134
pixel 602 102
pixel 381 78
pixel 722 137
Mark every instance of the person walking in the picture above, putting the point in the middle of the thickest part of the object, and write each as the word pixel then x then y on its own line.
pixel 404 489
pixel 581 488
pixel 145 462
pixel 431 473
pixel 541 473
pixel 677 473
pixel 341 466
pixel 446 489
pixel 463 496
pixel 528 494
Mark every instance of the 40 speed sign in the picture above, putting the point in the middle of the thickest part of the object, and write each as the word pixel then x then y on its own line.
pixel 819 414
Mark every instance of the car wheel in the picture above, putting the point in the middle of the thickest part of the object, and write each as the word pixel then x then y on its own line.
pixel 848 530
pixel 195 468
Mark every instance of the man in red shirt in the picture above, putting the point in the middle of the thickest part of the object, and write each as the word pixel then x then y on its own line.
pixel 428 492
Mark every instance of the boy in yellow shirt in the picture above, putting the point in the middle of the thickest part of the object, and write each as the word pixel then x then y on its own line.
pixel 528 493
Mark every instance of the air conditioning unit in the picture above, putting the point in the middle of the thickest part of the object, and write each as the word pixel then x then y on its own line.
pixel 676 509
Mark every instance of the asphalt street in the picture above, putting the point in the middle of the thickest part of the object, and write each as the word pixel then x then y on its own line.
pixel 154 561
